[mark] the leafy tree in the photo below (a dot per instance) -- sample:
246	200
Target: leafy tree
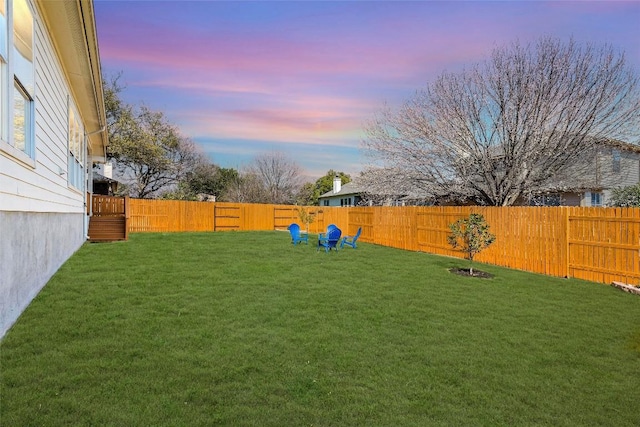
149	154
310	192
306	195
471	235
179	192
508	126
626	197
306	217
204	179
225	178
324	184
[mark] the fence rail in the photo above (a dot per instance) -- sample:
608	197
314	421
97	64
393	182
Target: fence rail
597	244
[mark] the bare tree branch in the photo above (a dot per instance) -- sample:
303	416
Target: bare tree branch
280	176
510	125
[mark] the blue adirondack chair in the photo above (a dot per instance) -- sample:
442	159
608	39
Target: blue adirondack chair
330	240
323	236
351	240
296	235
329	228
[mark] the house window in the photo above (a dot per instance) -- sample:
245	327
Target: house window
545	200
17	79
616	160
76	160
596	199
3	70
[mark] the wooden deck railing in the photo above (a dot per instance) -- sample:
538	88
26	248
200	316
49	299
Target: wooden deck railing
108	220
597	244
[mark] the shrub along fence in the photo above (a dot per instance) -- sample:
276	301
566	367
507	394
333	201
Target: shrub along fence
597	244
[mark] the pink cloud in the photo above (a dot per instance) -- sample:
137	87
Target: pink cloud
283	126
278	55
312	72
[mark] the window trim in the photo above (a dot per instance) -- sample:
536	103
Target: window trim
9	83
616	156
599	196
76	167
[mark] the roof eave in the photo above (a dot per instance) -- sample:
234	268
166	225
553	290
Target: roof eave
73	30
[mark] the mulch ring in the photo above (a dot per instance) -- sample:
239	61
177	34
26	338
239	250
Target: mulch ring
467	272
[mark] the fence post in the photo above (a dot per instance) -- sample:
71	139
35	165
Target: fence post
567	244
126	218
214	216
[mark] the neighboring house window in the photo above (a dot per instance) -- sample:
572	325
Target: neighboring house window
551	200
596	199
546	200
17	77
345	202
616	160
75	163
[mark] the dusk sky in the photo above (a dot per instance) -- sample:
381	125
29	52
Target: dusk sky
245	78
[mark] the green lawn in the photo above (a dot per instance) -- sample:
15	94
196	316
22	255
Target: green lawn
243	329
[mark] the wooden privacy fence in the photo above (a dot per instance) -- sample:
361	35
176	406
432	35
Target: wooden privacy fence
176	216
597	244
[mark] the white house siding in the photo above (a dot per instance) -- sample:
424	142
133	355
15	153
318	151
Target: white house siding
339	201
629	173
595	171
42	219
332	202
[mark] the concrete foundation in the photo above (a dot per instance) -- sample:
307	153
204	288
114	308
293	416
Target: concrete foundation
32	248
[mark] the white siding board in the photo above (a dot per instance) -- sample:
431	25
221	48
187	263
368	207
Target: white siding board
43	189
50	66
15	191
51	132
52	104
629	169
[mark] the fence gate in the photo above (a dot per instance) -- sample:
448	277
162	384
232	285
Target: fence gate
603	247
283	216
432	229
226	217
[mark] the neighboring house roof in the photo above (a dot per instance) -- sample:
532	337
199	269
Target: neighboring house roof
417	195
355	189
625	146
101	178
348	189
